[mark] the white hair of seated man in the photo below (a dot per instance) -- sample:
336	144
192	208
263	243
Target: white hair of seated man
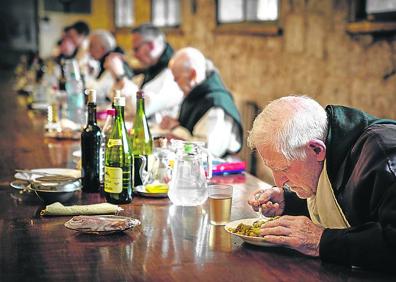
190	58
106	39
288	124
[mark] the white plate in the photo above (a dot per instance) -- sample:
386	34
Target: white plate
61	171
141	190
258	241
101	224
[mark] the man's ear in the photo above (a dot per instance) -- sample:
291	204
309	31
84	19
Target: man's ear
192	75
317	148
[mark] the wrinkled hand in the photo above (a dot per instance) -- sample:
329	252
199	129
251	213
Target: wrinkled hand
168	122
114	64
271	201
296	232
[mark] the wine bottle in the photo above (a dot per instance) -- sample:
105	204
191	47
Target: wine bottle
106	131
118	161
90	148
142	142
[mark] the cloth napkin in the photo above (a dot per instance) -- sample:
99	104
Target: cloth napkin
59	209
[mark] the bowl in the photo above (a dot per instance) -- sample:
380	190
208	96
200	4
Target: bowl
51	192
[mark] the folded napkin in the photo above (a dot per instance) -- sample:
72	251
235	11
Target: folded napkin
59	209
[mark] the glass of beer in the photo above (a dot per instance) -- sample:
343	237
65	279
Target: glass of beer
220	201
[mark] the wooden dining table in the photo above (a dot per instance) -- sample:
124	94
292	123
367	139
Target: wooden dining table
173	243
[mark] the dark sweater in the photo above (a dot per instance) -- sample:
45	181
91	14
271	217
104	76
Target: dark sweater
361	165
206	95
151	72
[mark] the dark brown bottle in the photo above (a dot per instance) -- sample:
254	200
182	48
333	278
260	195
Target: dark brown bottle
90	149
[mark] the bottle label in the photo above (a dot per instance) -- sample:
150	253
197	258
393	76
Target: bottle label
114	142
113	179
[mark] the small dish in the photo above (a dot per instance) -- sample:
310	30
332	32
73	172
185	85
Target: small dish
42	171
141	191
258	241
101	224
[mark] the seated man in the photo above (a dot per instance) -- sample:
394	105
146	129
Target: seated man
208	111
162	95
337	166
78	33
102	44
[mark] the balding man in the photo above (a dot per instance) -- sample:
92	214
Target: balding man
208	111
162	95
101	45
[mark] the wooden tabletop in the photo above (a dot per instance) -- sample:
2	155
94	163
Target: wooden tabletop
172	244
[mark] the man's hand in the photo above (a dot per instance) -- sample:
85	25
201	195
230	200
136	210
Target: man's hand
114	64
168	123
296	232
270	202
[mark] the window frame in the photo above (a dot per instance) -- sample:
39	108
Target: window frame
362	23
167	26
249	27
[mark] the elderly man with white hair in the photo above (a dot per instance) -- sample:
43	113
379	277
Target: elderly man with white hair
335	176
101	45
208	111
162	95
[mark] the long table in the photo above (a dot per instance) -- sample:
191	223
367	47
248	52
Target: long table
172	244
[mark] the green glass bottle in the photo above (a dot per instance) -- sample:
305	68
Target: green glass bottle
118	160
90	149
142	142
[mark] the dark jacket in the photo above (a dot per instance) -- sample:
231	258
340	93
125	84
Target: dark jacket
151	72
361	165
208	94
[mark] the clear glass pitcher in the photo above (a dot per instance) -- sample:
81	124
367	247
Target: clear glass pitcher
188	186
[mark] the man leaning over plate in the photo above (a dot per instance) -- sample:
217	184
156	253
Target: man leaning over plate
335	176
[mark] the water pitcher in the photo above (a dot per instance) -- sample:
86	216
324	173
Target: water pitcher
188	186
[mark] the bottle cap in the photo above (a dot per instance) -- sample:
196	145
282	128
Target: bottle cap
188	148
140	94
91	96
110	112
118	99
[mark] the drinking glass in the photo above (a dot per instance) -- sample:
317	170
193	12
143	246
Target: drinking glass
220	202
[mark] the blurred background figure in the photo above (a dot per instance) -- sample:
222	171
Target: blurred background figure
102	44
78	33
208	112
162	95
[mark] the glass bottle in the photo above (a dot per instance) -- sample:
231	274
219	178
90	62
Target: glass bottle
75	93
142	142
107	128
118	161
90	148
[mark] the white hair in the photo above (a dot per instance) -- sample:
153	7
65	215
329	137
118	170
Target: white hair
288	124
151	33
192	58
106	39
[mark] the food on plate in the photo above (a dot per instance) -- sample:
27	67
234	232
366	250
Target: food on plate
250	230
157	188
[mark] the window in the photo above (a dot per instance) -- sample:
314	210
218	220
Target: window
372	16
239	11
381	10
165	13
123	13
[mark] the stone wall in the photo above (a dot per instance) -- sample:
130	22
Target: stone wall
313	56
